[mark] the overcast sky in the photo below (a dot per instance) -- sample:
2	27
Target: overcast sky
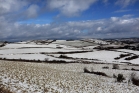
68	19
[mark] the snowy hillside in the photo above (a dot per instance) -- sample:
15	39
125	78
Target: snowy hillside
75	51
65	66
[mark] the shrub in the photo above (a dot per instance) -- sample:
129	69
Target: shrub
126	69
114	76
120	78
57	61
134	79
117	58
3	90
46	59
124	55
106	67
99	73
132	69
38	60
86	70
131	58
63	56
115	66
92	72
59	47
2	45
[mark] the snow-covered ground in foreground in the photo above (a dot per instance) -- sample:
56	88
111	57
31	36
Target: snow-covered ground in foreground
20	77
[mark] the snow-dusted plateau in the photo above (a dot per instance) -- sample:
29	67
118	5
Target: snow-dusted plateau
69	66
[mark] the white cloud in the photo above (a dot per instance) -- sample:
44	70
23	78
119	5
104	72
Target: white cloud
127	16
77	31
99	29
8	6
11	9
70	7
65	7
121	11
18	9
114	19
125	3
105	1
22	9
115	26
125	21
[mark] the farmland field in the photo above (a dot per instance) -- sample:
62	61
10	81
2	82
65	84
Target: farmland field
77	51
23	77
59	67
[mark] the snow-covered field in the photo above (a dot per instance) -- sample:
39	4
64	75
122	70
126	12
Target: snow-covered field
75	43
105	56
51	51
27	77
130	51
22	45
20	77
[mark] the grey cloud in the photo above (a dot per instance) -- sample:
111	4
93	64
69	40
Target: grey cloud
10	6
113	27
70	7
11	29
32	8
29	8
14	10
32	11
125	3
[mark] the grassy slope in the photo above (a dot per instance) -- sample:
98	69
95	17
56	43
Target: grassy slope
60	78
